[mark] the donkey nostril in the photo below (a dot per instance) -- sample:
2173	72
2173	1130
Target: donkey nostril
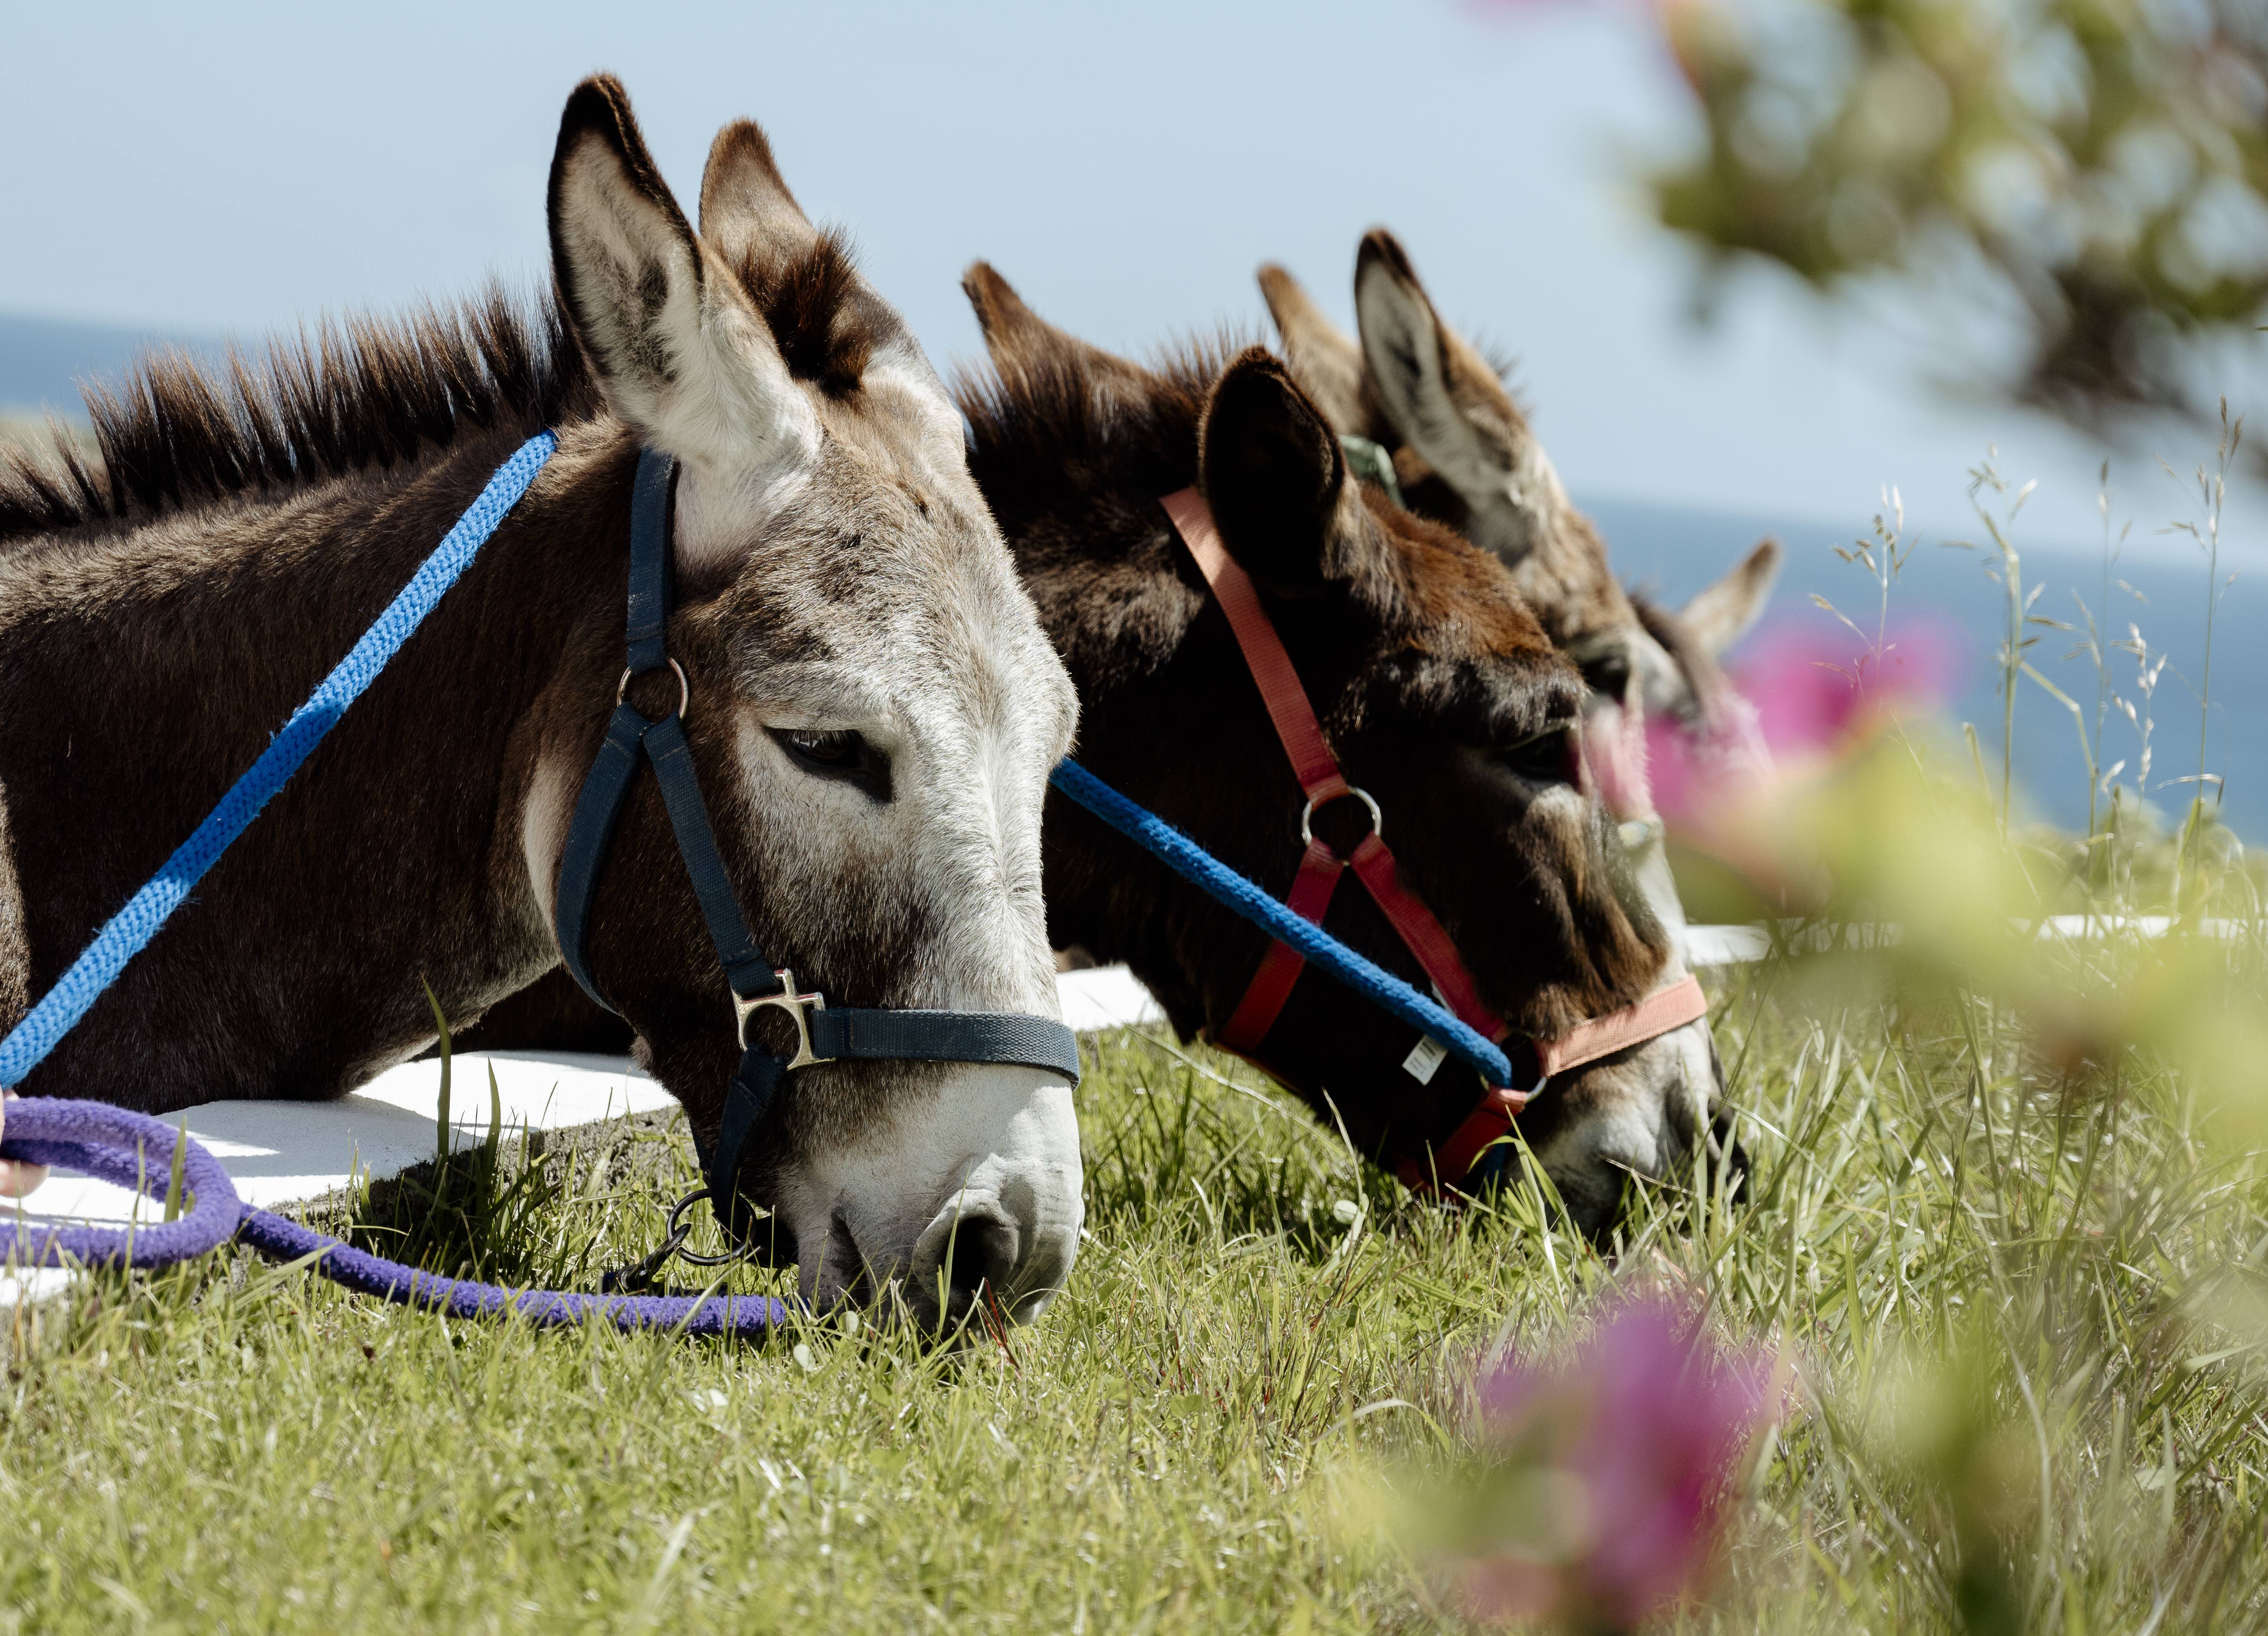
980	1252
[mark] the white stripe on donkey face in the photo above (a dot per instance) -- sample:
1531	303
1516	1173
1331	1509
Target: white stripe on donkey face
863	657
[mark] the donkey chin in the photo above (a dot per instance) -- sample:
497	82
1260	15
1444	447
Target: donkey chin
965	1201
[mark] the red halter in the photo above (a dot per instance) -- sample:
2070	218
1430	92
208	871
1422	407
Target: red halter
1318	878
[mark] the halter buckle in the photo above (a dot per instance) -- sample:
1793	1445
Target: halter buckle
799	1006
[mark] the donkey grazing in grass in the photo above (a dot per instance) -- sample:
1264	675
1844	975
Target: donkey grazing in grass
1464	455
873	709
1435	686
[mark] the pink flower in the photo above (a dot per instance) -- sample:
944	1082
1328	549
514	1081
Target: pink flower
1698	771
1817	686
1609	1472
1806	697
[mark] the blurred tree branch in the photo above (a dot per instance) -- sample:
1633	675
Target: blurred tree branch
2104	162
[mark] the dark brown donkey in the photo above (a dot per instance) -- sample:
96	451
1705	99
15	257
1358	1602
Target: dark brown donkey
1465	455
874	708
1433	682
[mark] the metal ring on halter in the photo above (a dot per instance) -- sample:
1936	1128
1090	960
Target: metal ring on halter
679	1227
640	1275
1377	818
684	688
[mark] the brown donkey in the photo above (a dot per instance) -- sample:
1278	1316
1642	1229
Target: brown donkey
1436	687
1465	455
874	709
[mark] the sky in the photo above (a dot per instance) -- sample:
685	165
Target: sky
234	167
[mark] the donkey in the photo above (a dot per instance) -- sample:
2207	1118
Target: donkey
1463	454
871	702
1438	688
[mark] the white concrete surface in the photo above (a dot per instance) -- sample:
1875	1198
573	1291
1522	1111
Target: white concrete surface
1725	946
285	1152
1104	997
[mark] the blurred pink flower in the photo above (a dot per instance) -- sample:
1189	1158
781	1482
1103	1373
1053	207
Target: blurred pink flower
1806	695
1619	753
1816	685
1609	1472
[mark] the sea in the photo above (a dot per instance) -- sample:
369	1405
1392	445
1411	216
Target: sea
2152	590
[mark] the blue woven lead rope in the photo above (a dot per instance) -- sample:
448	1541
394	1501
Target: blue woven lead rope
133	926
1201	869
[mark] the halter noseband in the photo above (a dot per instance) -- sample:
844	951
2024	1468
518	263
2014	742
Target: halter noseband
823	1035
1422	933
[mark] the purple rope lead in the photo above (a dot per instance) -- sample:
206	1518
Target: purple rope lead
137	1152
134	1151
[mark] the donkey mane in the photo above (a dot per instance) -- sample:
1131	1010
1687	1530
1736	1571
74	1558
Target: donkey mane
369	393
375	391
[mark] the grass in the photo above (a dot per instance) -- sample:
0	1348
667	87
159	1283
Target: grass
2025	1337
2003	1229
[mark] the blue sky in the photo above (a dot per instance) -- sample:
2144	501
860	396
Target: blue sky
236	167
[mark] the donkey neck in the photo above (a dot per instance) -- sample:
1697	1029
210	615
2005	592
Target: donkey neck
148	667
1147	644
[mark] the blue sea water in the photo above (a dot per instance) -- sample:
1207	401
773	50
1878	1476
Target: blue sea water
43	360
2159	584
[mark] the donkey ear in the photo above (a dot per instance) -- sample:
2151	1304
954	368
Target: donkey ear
746	212
1717	617
1273	471
1325	363
680	353
1448	406
1021	341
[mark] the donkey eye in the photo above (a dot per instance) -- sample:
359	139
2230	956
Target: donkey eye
829	749
1545	757
837	752
1609	674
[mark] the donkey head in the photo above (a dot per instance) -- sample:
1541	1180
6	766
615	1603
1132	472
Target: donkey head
1466	456
1436	689
873	710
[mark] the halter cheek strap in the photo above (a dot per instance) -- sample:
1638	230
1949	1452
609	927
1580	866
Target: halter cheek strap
1420	931
823	1033
1320	778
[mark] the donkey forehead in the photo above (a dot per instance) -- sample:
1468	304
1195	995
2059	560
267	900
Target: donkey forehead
1467	649
892	595
1459	600
899	418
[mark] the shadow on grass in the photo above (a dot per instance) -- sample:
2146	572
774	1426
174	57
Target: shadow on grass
1171	1131
472	1213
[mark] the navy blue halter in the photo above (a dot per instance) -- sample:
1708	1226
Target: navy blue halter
823	1034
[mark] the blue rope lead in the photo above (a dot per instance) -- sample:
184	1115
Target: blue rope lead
133	926
1201	869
